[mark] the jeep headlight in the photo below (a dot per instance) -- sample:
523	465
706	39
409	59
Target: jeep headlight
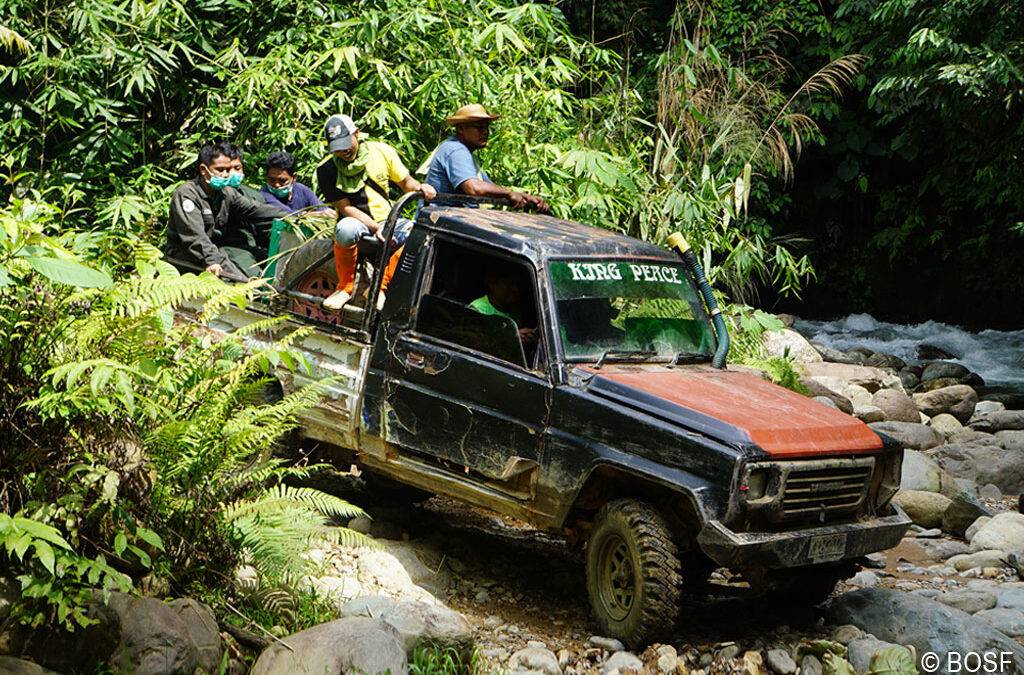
757	483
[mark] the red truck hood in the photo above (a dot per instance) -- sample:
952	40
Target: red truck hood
783	423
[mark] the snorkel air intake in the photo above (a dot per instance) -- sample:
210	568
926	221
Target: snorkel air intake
679	243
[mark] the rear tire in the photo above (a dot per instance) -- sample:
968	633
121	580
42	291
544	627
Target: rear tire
633	573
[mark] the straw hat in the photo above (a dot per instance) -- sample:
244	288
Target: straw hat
474	112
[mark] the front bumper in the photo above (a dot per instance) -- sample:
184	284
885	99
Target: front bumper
797	548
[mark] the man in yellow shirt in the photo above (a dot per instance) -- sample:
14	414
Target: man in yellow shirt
356	180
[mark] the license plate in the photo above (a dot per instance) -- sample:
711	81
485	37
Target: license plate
827	547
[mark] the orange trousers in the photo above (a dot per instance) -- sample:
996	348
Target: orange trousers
345	266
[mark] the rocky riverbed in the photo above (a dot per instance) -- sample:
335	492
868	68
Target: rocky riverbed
448	573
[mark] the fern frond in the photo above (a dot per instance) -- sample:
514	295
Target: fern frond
281	497
238	295
262	326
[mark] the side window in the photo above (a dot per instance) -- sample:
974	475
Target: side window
483	302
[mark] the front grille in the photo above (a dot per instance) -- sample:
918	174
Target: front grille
825	491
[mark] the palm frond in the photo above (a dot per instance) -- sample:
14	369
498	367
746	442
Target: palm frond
12	41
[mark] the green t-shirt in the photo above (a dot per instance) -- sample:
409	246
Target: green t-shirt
484	306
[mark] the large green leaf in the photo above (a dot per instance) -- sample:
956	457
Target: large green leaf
893	660
69	272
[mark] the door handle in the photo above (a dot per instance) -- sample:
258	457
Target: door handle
415	360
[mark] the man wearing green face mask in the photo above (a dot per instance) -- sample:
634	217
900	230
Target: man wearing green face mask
282	189
212	225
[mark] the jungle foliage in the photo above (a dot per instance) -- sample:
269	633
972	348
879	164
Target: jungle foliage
131	435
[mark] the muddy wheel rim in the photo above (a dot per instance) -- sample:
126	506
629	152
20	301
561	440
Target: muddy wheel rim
617	583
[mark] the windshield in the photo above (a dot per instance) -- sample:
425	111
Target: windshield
615	309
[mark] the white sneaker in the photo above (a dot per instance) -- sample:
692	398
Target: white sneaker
336	300
381	298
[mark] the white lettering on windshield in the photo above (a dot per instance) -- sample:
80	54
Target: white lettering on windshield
595	271
662	273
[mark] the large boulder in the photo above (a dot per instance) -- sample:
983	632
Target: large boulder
789	343
202	627
985	407
880	360
978	559
958	400
927	352
1000	420
932	385
962	512
895	405
413	621
983	462
946	424
132	634
1007	621
536	660
967	435
1005	532
154	638
924	508
349	645
830	388
870	378
911	435
928	626
833	355
921	472
1013	441
970	601
858	395
940	369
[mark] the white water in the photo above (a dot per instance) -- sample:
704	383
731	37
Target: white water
998	356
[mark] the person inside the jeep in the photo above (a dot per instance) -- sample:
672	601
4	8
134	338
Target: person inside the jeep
282	189
355	178
452	167
212	224
504	298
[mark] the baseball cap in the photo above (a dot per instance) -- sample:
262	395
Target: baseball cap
338	132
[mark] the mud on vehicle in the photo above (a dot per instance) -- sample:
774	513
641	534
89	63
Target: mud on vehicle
617	425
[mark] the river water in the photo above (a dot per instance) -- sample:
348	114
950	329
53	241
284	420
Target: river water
998	356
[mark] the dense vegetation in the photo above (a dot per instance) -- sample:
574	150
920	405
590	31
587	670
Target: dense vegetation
126	432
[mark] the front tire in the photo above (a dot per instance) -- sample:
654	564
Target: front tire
633	573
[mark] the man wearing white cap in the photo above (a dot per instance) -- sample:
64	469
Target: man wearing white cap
453	169
355	179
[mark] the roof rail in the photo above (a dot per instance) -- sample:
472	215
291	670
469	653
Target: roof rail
452	198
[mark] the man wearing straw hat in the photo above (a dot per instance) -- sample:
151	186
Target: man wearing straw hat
453	168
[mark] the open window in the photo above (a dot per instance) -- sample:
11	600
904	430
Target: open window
483	302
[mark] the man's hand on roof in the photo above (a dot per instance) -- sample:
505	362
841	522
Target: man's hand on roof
215	269
428	191
519	200
537	204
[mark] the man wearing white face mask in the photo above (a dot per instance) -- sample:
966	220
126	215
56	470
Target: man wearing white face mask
212	225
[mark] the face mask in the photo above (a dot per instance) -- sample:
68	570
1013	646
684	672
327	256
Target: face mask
280	192
219	182
235	179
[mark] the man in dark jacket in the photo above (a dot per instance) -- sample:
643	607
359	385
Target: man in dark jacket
212	225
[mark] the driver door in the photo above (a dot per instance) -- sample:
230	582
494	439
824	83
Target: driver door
458	391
